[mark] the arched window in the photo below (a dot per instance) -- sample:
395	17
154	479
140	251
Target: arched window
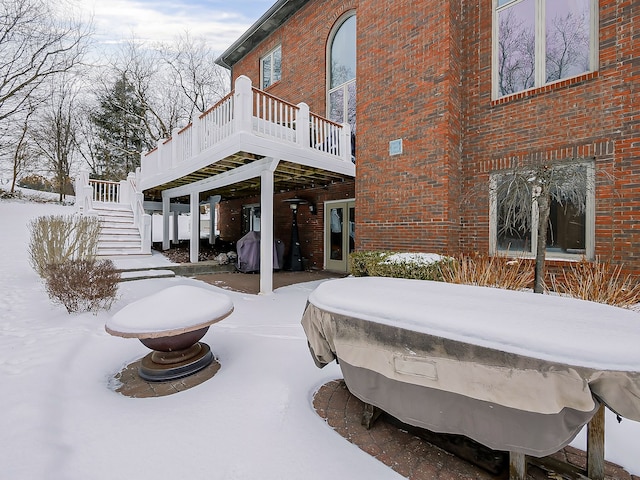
341	98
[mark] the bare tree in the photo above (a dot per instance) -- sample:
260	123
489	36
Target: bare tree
566	40
567	46
56	136
22	152
201	80
35	44
565	182
516	55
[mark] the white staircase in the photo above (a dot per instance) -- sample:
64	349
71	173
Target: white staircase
125	228
118	233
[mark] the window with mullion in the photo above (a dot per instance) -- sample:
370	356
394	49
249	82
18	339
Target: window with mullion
571	224
271	67
342	74
542	41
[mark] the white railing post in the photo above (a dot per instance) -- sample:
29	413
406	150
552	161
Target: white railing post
303	125
125	191
175	147
87	205
145	232
163	161
345	142
195	135
243	104
82	180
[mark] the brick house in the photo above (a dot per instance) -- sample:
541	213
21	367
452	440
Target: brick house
449	95
433	102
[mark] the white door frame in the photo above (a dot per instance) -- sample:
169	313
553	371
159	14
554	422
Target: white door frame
337	265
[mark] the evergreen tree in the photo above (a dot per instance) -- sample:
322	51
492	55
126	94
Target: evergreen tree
120	124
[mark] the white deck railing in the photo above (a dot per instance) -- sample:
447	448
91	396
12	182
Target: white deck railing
105	191
125	192
250	110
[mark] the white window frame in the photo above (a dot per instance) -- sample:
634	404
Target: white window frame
589	233
344	86
540	46
271	56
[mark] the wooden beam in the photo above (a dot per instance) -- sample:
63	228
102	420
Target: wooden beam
595	446
517	466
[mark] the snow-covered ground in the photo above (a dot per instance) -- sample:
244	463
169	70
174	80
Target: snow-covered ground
61	418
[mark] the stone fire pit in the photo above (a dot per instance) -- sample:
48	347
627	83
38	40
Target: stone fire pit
171	322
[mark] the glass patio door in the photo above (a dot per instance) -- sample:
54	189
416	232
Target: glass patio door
339	227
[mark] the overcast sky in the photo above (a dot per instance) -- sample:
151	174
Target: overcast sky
220	21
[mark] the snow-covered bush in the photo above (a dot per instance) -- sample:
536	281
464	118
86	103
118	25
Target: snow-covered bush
82	285
420	266
361	262
57	239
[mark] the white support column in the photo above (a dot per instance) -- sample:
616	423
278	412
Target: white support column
165	222
176	227
194	243
266	228
213	201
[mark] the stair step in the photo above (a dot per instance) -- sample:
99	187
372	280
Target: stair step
117	252
102	206
144	274
116	222
119	230
115	218
118	238
117	244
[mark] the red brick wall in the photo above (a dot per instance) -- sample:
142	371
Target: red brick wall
595	115
424	75
410	68
408	71
304	40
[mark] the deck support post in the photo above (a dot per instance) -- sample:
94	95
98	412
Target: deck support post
194	243
165	222
175	238
213	201
517	466
595	446
266	227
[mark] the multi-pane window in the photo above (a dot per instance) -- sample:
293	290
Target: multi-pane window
342	74
271	67
542	41
570	231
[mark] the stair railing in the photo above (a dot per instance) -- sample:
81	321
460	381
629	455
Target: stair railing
141	219
124	192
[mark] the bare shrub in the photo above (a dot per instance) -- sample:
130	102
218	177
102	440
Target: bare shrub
83	285
57	239
488	271
597	281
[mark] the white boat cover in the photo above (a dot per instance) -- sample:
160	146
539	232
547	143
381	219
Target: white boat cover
515	371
